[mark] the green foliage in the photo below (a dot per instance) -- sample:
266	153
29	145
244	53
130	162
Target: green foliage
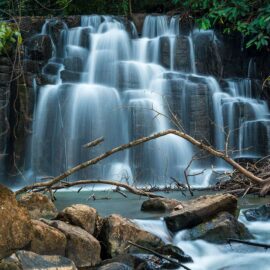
9	36
80	7
249	17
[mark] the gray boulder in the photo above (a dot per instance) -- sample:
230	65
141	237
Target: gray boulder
261	213
219	229
31	261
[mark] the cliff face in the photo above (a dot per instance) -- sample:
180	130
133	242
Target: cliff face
222	58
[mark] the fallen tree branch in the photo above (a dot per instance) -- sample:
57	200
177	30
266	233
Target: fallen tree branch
159	255
105	182
255	179
266	246
94	143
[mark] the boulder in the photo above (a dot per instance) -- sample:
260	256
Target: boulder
47	240
15	224
159	204
115	233
130	260
82	247
115	266
31	261
219	229
80	215
261	213
200	210
10	263
38	205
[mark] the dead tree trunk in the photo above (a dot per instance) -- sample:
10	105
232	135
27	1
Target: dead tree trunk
265	184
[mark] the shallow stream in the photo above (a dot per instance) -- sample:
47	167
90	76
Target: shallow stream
206	256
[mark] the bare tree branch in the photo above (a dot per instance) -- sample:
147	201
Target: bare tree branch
255	179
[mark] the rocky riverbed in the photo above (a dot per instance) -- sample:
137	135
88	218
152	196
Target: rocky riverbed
82	233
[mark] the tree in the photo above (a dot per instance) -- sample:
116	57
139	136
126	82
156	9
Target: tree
249	17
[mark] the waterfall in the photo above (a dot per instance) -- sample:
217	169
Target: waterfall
105	81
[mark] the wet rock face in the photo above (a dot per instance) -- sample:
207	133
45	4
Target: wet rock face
200	210
138	20
261	213
73	64
40	48
47	240
82	248
15	226
117	231
181	53
5	76
219	229
80	215
208	53
38	205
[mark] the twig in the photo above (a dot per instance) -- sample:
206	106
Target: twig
94	143
106	182
231	240
120	192
255	179
159	255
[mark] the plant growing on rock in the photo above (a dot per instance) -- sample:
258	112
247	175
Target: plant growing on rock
10	36
250	18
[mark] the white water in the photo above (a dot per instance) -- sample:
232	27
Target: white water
208	256
122	92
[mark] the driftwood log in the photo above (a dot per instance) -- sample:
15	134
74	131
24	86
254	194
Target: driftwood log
264	184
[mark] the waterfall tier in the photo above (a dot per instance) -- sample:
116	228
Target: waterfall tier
106	81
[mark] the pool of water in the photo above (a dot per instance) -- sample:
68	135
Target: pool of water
206	256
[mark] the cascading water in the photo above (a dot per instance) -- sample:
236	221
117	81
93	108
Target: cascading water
216	257
108	82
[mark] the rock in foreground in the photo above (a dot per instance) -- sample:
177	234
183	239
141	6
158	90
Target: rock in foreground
47	240
80	215
31	261
15	224
38	205
261	213
82	248
117	231
200	210
219	229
